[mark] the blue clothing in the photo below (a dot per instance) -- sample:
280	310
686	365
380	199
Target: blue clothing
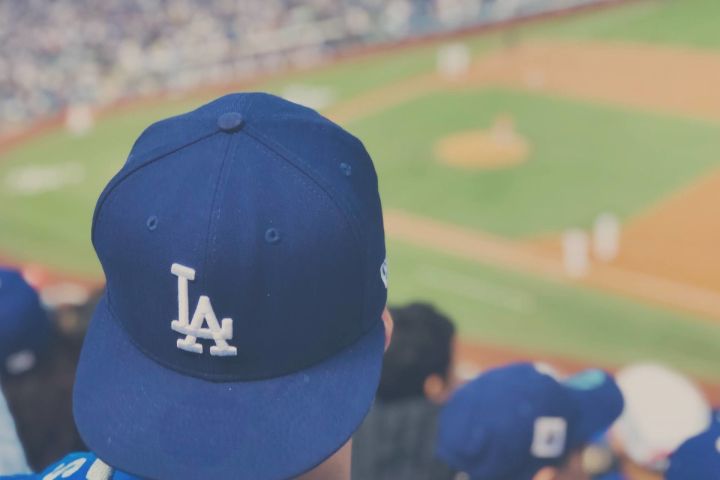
76	466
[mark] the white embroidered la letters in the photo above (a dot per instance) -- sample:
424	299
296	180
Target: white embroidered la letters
203	313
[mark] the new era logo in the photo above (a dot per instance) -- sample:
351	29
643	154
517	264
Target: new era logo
384	273
204	313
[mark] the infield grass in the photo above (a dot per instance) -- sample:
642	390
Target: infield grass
585	159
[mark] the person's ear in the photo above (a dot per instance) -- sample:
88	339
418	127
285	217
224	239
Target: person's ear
389	325
546	473
435	388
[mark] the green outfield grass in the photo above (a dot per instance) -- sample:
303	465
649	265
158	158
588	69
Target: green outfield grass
506	308
586	158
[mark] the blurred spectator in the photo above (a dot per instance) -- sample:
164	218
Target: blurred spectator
40	400
38	357
396	441
518	423
24	334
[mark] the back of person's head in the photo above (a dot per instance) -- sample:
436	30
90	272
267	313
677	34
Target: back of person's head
397	440
420	360
520	423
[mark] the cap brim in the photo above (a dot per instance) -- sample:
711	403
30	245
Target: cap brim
599	403
151	421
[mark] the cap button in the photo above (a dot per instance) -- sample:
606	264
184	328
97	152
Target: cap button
230	122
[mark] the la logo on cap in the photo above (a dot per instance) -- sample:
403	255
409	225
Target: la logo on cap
204	313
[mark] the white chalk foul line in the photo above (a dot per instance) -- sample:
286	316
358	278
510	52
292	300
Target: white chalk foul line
508	298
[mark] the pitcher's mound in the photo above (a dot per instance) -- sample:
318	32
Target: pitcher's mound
498	147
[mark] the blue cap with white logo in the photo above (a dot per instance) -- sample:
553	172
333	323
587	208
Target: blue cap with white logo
240	335
510	422
24	325
698	458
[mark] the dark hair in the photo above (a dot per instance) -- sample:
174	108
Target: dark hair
40	399
421	346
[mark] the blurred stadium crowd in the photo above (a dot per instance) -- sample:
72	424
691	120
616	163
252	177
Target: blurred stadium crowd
66	52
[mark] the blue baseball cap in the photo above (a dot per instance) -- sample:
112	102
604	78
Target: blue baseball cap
512	421
697	458
25	328
240	335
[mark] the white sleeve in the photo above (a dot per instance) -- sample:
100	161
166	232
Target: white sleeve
12	456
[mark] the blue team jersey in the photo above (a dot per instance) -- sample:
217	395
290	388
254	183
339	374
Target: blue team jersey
76	466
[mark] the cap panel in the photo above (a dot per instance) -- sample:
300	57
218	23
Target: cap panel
137	160
340	165
169	135
150	221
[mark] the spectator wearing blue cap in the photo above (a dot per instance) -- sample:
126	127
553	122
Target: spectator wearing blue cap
24	334
244	322
24	326
37	368
698	458
518	423
397	439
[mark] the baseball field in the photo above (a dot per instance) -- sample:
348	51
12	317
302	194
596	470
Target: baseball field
551	124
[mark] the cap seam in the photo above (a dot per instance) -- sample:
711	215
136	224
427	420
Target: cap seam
212	218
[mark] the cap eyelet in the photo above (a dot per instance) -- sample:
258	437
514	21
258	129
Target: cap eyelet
346	169
152	223
272	235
